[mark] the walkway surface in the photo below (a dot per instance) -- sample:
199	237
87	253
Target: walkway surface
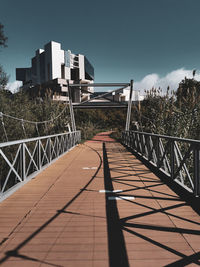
62	218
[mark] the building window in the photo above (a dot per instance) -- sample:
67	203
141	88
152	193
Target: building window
63	71
75	74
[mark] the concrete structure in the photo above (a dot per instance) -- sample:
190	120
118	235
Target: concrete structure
52	67
120	95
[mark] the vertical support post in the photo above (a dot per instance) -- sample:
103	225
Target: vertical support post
148	148
67	140
73	144
128	116
71	108
196	171
172	158
39	155
57	146
157	152
131	140
23	162
49	148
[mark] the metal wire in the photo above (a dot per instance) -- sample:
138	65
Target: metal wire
34	122
3	126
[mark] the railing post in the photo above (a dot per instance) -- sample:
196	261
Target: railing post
172	159
196	152
49	148
65	143
131	140
157	151
148	148
74	143
57	146
74	137
68	135
125	138
70	140
23	162
128	138
39	155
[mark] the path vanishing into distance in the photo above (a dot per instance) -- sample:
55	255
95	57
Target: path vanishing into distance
98	206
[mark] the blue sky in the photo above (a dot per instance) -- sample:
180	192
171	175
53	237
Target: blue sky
149	41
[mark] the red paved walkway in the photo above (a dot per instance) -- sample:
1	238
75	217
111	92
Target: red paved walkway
61	219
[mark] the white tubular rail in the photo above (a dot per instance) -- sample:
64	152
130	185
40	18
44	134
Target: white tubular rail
177	158
22	160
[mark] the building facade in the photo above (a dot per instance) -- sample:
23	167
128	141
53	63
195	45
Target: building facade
51	67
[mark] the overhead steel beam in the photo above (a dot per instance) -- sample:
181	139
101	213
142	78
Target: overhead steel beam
99	85
99	106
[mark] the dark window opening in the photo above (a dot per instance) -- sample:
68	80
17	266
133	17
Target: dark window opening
63	71
75	74
89	70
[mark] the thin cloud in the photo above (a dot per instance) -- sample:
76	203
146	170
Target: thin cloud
14	86
172	80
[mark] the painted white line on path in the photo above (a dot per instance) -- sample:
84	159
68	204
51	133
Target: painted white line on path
89	168
120	198
110	191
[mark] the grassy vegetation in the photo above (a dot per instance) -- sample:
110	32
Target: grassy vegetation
175	113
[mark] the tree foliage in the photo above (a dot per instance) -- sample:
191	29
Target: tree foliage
3	43
3	38
3	79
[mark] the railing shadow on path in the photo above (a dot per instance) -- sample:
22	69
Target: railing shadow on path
116	226
128	225
186	196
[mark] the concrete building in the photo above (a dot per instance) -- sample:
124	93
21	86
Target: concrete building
52	67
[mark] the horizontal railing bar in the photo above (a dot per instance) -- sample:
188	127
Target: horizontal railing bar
169	137
34	161
16	142
171	161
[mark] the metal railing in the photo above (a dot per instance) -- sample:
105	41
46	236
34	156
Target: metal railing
177	158
21	160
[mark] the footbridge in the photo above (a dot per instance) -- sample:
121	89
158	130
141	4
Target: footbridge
101	202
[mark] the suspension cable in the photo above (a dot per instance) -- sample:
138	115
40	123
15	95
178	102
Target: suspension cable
3	125
34	122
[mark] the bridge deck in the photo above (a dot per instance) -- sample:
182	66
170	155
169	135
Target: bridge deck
61	219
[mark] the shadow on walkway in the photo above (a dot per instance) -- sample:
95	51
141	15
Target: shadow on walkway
147	231
116	243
